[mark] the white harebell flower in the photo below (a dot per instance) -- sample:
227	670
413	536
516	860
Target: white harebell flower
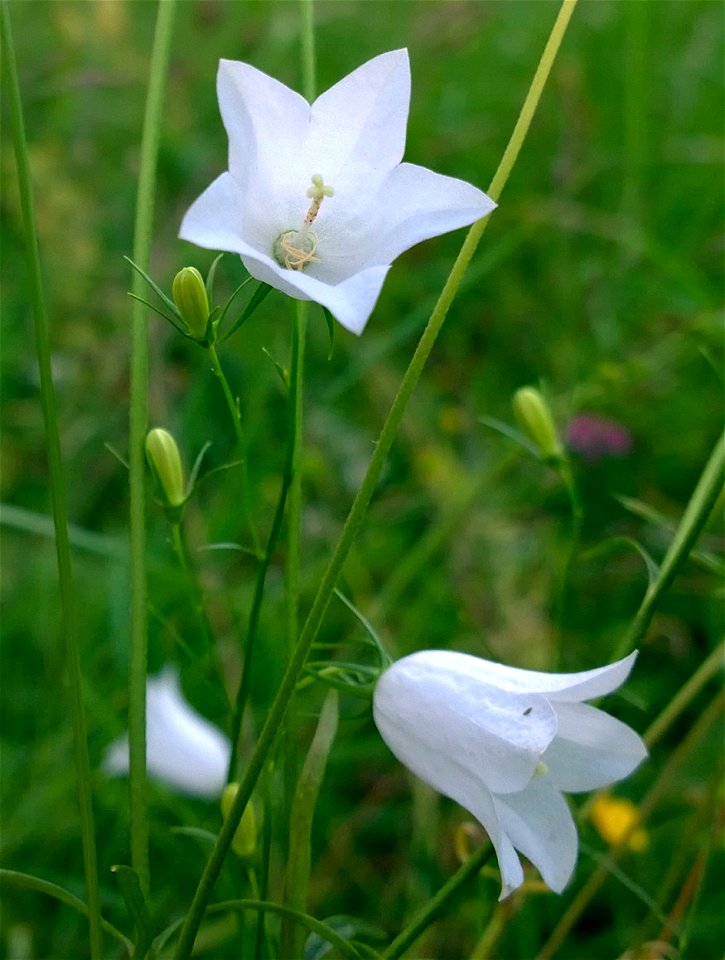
183	749
316	200
505	743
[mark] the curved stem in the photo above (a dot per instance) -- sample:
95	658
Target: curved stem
423	919
275	716
69	633
235	414
693	520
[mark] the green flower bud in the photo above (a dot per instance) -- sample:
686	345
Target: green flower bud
163	458
534	417
191	301
245	836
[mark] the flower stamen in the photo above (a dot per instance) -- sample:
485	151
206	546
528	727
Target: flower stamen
295	249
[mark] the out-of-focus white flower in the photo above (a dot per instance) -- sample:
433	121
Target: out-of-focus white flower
182	748
505	743
316	200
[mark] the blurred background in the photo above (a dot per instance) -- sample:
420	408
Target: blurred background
599	279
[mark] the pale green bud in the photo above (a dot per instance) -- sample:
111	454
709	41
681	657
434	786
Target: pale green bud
534	417
191	301
245	836
163	458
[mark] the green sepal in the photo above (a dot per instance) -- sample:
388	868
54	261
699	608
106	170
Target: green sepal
211	276
330	320
282	371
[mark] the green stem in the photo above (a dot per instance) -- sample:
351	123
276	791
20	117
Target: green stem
427	914
301	814
137	432
572	548
664	779
68	631
294	523
235	414
685	695
693	520
288	473
196	602
307	38
275	716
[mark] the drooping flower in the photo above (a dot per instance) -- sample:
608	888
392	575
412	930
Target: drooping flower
505	744
316	200
183	749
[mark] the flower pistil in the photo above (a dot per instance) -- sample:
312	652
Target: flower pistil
295	249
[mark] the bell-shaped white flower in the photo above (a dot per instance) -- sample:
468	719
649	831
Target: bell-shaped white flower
183	749
505	743
316	200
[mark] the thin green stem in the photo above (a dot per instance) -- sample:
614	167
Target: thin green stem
427	914
693	520
648	804
294	524
275	716
68	631
572	548
137	432
307	38
708	669
236	415
196	602
293	440
301	814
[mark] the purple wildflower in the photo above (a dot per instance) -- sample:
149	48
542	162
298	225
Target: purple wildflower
594	437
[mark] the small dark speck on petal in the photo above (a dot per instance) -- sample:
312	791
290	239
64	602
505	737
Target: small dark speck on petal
527	711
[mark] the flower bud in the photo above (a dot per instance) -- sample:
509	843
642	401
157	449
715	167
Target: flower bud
534	417
245	836
163	458
191	301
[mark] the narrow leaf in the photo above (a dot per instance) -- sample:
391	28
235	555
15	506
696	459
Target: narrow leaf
26	881
130	886
257	297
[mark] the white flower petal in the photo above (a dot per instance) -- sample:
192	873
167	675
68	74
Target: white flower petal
350	302
432	719
265	122
415	203
182	748
214	220
591	749
556	686
539	824
357	128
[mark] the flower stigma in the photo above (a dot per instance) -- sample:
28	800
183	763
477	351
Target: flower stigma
295	249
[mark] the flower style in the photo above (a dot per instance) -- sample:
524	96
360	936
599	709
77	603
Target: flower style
505	743
316	200
183	749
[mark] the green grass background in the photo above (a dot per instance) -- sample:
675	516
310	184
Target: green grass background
600	276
